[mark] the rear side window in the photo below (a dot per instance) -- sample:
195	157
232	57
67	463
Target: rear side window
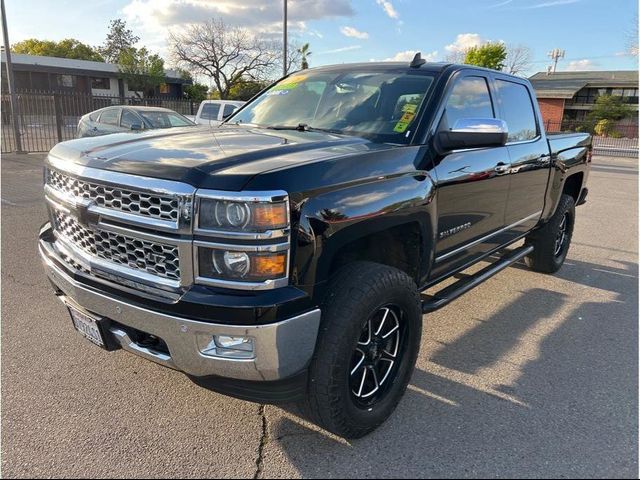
210	111
517	111
109	116
469	99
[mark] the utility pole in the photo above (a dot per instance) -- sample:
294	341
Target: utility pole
15	114
284	41
555	55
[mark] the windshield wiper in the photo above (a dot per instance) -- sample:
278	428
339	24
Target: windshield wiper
303	127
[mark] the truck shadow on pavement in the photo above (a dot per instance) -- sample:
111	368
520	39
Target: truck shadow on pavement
542	388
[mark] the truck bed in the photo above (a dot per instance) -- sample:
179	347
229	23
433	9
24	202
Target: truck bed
561	142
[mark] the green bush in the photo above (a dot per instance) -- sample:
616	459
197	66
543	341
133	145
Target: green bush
604	127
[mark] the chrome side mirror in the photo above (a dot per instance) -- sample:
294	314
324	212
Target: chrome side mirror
473	133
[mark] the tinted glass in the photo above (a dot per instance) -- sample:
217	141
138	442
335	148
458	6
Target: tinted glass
362	103
128	119
160	119
109	116
518	111
228	110
210	111
469	99
178	121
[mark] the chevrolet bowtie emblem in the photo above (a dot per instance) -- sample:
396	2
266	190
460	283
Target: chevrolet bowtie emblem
84	216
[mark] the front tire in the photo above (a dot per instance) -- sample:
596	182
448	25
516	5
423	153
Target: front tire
551	242
366	351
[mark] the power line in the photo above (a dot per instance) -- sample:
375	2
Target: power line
584	58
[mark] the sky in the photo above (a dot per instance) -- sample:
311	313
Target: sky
593	33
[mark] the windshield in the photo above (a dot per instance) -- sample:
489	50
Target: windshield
381	106
160	119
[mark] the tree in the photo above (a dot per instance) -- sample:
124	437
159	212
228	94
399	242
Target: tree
304	53
196	92
294	59
67	48
142	71
518	60
228	55
119	39
611	108
246	89
490	55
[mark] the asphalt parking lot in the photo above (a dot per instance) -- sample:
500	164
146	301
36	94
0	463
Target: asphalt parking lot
526	376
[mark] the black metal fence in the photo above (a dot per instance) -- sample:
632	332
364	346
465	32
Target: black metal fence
611	139
46	118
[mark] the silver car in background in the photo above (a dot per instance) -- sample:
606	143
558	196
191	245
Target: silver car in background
125	118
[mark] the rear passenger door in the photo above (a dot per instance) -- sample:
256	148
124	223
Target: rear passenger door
472	184
529	154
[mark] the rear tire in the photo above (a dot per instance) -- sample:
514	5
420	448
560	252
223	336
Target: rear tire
551	242
366	350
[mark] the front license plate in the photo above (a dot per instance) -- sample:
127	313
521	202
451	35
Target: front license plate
87	326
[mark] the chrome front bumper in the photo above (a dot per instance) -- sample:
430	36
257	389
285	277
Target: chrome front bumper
280	350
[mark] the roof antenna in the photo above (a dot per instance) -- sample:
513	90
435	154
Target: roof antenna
417	61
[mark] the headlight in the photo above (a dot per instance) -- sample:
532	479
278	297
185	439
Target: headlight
242	216
242	240
235	263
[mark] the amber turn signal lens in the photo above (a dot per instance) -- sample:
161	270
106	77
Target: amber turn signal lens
269	266
270	216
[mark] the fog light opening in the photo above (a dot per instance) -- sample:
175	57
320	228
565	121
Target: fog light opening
229	346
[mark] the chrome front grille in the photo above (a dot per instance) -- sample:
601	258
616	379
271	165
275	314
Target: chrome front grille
152	257
116	198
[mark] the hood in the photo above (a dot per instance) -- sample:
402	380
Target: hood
224	158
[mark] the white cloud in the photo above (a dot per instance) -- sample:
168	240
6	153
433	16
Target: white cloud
354	32
465	41
552	3
408	55
153	19
581	65
388	8
341	49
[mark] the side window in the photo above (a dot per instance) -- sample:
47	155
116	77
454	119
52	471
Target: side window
228	110
210	111
517	111
109	116
129	118
469	99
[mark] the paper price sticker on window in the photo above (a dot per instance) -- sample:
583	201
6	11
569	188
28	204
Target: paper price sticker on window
410	108
407	117
404	122
401	127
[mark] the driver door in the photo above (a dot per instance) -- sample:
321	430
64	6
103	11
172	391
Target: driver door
472	184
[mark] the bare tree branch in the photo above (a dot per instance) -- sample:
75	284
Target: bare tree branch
518	59
228	55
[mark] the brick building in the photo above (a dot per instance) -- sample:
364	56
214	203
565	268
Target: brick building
566	98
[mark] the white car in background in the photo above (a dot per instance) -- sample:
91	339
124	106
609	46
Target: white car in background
213	112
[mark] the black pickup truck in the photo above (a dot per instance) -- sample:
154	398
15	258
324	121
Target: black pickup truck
283	256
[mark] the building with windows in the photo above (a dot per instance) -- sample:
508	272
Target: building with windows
566	98
65	75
